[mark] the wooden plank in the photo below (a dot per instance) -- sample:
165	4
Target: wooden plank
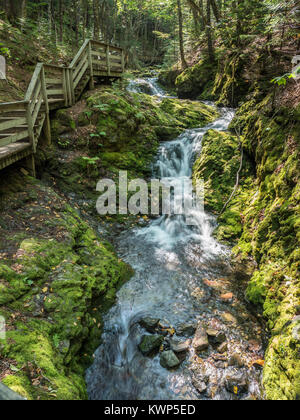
55	92
104	74
97	54
14	138
123	61
12	123
80	52
81	63
37	110
91	84
33	82
77	80
53	81
36	96
12	106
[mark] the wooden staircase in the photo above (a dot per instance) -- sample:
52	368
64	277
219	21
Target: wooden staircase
52	87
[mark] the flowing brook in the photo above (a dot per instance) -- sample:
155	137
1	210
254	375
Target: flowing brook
183	278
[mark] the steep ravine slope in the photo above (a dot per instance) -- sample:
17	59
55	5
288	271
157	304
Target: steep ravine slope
263	218
58	275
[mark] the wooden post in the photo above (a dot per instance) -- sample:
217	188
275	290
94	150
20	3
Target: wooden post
65	88
72	90
30	127
91	83
47	127
123	61
108	60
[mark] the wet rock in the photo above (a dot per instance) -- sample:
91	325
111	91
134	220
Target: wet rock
227	297
149	324
186	329
223	348
200	341
236	360
199	384
229	318
236	382
169	360
216	337
150	344
180	346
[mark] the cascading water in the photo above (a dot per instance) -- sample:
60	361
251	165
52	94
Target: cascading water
176	267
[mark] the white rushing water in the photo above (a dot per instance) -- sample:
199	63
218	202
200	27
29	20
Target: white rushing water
170	260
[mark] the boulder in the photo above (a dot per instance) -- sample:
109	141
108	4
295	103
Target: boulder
149	324
180	346
169	360
150	344
236	382
186	329
216	337
223	348
236	360
200	341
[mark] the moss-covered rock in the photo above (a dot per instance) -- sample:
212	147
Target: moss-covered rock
271	235
56	280
196	80
218	165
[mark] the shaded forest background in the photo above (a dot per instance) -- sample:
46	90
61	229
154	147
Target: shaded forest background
152	31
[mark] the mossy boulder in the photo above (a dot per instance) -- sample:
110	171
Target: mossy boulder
217	165
271	236
56	281
168	78
196	80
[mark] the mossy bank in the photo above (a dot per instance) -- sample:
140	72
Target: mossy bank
262	221
57	275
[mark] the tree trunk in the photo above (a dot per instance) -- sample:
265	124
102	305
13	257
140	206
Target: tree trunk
15	10
96	7
210	44
183	60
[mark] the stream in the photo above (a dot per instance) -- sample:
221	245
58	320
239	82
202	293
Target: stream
182	276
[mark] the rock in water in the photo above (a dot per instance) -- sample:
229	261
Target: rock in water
236	382
169	360
150	344
186	329
216	337
180	346
200	342
149	324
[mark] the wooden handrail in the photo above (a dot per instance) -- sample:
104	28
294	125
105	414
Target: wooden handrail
78	55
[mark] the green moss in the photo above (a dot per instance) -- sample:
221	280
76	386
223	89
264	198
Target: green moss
217	165
196	80
271	236
53	295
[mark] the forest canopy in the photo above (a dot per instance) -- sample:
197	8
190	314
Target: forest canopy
156	32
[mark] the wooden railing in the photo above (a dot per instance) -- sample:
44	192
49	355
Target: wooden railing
53	87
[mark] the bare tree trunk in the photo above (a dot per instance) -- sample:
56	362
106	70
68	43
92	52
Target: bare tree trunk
210	44
15	10
61	21
96	7
183	60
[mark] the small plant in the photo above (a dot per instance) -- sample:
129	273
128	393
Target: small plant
89	163
4	50
102	107
282	80
64	144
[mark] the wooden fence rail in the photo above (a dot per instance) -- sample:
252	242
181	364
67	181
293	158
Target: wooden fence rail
52	87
